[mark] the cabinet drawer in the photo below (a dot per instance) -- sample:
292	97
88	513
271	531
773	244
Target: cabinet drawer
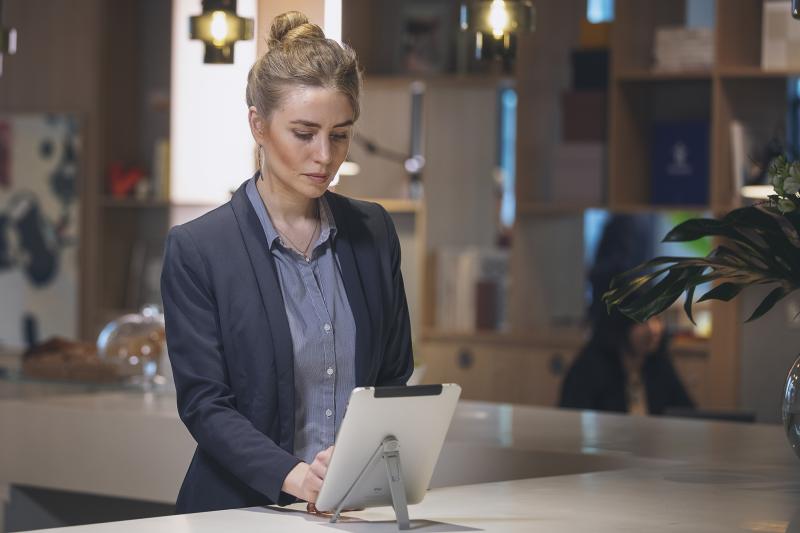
498	373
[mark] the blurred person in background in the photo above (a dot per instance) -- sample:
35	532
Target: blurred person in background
625	366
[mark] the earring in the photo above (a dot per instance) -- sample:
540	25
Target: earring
260	160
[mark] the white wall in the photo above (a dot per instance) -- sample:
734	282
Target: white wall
212	148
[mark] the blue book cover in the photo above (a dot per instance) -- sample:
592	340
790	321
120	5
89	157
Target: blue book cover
680	163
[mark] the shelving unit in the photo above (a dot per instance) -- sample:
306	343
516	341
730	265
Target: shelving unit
734	88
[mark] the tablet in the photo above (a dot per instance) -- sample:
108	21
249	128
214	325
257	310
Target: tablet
417	416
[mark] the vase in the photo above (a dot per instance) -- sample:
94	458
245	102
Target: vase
790	409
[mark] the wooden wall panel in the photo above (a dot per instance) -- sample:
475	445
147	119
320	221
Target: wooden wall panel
543	71
58	68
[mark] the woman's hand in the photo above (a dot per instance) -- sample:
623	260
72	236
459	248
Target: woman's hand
305	480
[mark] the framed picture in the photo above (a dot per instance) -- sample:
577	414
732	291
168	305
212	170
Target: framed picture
39	226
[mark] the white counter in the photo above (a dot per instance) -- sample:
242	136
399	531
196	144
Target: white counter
608	472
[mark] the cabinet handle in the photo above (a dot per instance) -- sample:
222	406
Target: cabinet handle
465	359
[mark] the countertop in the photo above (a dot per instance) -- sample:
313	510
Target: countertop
503	468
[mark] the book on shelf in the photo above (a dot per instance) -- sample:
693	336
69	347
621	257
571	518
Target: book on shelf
160	170
680	163
471	288
753	146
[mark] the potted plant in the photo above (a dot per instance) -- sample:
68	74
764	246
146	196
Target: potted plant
760	246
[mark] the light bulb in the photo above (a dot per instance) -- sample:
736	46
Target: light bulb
498	18
219	28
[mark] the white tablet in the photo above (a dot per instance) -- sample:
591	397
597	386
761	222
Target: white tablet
418	417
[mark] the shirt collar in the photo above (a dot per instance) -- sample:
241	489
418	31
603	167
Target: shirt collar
326	220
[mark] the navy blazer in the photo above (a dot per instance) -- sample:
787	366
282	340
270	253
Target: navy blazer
231	349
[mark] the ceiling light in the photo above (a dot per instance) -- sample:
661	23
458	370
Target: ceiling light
496	24
219	27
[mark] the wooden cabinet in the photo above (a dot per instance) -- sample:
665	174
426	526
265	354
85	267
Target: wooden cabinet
530	371
498	370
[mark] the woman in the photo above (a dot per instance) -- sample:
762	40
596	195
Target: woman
625	366
284	299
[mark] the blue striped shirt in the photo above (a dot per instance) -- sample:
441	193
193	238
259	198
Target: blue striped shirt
322	328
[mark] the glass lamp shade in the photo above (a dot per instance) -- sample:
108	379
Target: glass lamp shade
498	18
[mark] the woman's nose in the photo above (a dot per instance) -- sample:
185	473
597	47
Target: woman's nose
323	152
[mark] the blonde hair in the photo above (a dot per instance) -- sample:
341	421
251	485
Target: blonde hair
300	55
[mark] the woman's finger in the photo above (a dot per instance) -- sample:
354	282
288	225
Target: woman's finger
324	456
319	469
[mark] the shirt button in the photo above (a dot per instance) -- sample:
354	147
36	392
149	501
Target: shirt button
328	412
330	371
326	327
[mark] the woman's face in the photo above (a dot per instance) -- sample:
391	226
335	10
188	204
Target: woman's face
644	339
305	140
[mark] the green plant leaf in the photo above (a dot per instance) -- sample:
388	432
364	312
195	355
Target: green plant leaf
724	292
657	298
776	295
687	305
694	229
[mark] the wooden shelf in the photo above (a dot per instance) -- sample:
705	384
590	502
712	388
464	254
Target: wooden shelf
439	80
553	208
133	203
745	72
645	75
650	208
565	337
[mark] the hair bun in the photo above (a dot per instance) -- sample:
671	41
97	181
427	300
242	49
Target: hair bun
290	26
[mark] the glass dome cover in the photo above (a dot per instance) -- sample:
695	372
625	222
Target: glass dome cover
136	343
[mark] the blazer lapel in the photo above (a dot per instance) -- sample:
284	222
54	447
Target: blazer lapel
354	249
272	299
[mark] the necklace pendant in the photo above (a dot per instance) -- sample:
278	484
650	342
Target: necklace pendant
308	259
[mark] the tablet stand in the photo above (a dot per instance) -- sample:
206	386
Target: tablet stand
389	451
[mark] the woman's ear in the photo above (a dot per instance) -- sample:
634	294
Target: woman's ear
258	126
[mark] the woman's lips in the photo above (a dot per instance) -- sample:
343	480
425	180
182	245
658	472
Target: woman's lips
319	178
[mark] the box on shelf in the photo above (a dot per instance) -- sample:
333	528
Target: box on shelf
590	69
680	163
780	37
579	173
595	35
682	48
584	116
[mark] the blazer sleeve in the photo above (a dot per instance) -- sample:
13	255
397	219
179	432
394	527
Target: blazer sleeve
398	360
206	402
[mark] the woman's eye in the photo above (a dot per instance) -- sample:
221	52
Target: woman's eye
303	135
339	136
